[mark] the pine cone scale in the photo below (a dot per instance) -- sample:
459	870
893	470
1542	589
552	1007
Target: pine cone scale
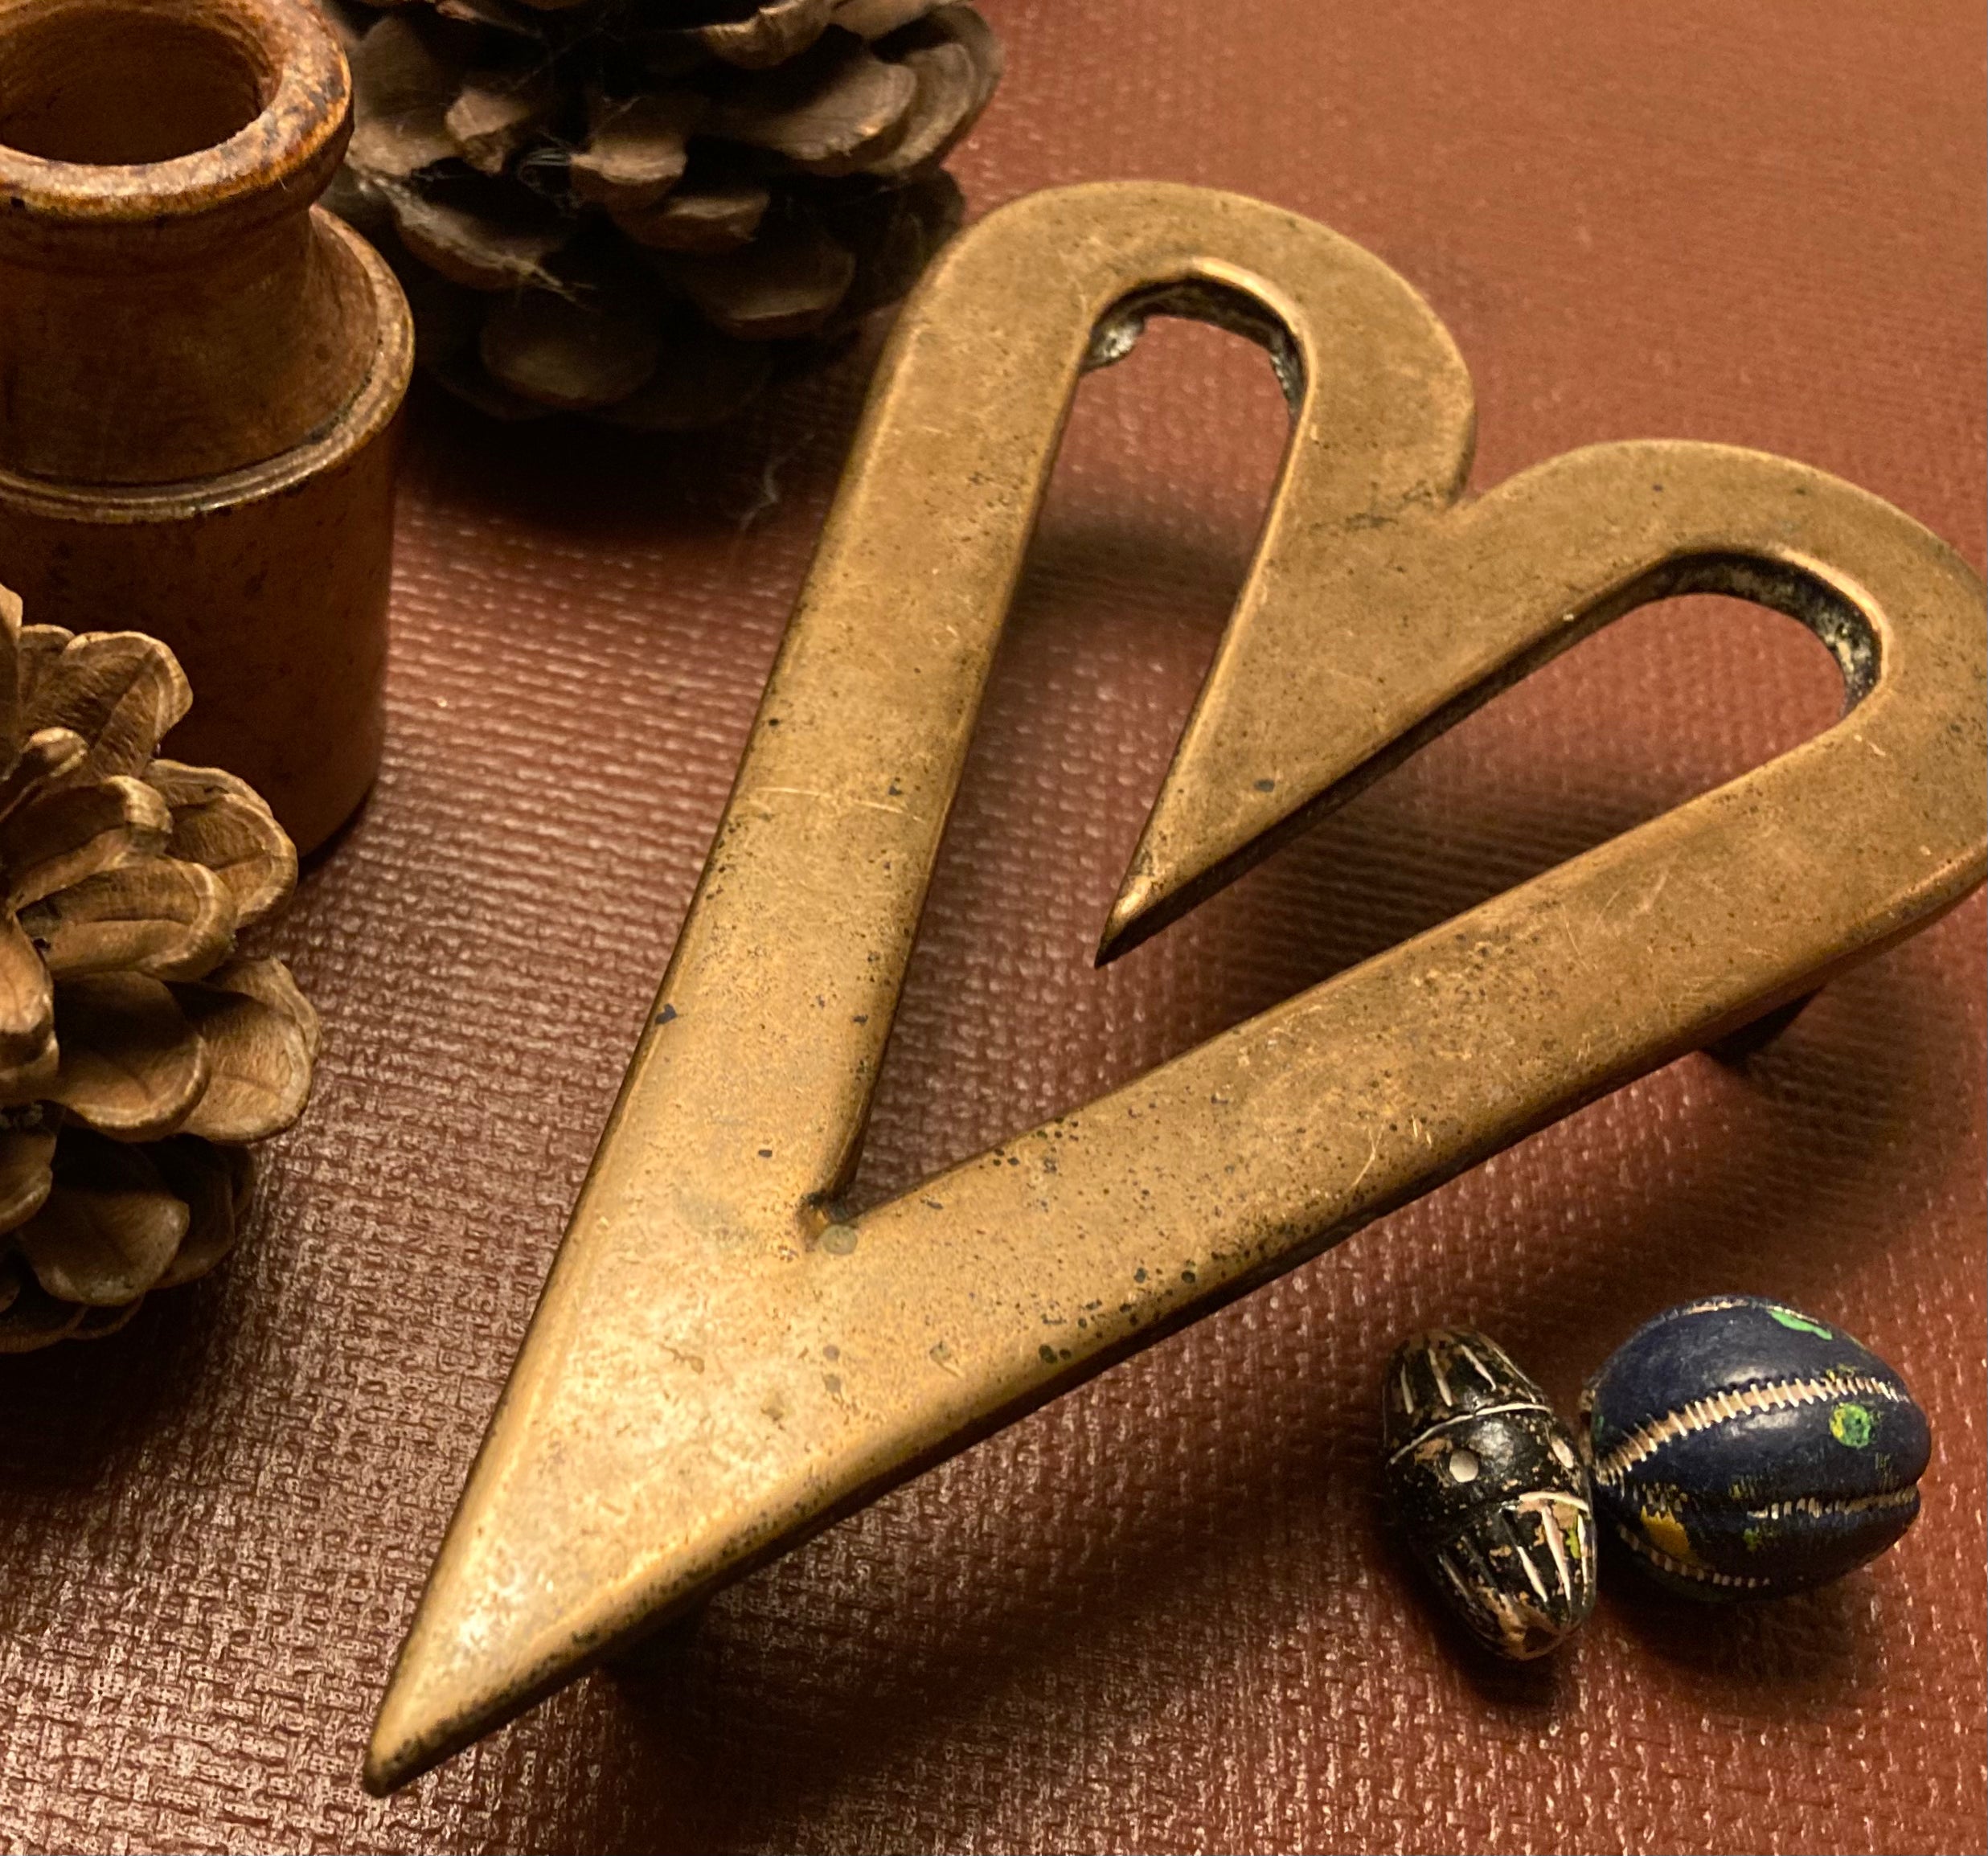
716	219
878	19
48	756
769	36
203	1179
136	1052
473	249
25	1175
74	832
27	997
636	149
836	107
495	114
159	916
130	1066
116	689
221	824
509	156
30	1318
108	1230
403	90
260	1064
564	353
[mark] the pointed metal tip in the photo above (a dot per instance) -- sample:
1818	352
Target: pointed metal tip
1146	903
395	1757
1124	927
407	1745
413	1733
1201	835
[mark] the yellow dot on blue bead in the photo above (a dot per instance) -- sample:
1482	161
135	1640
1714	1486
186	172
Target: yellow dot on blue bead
1851	1424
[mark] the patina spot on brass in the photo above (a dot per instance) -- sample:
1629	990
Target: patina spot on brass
717	1368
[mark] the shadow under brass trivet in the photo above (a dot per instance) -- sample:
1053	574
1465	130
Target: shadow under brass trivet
720	1365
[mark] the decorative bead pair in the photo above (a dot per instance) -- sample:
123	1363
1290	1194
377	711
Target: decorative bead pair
1735	1447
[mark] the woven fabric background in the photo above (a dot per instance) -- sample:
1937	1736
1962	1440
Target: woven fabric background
1161	1614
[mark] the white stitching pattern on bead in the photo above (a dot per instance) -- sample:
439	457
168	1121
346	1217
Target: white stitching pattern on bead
1423	1436
1820	1506
1704	1414
1682	1569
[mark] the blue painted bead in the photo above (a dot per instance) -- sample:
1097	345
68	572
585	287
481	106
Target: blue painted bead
1741	1448
1487	1487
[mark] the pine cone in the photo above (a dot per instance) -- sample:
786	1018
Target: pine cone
636	208
137	1056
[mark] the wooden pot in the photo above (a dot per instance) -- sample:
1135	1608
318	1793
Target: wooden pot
201	374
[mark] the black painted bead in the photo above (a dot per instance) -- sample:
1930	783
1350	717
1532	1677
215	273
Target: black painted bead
1489	1491
1741	1448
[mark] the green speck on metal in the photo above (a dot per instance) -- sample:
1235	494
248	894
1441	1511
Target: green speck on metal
1851	1424
1800	1323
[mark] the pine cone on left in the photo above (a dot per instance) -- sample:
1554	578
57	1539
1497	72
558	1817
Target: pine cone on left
138	1056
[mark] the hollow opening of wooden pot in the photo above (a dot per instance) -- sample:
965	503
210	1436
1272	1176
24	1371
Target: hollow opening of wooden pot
102	83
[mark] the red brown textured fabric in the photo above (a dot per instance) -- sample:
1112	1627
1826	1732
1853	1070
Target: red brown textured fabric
1161	1614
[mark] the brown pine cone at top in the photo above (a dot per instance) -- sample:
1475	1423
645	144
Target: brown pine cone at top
139	1055
638	209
